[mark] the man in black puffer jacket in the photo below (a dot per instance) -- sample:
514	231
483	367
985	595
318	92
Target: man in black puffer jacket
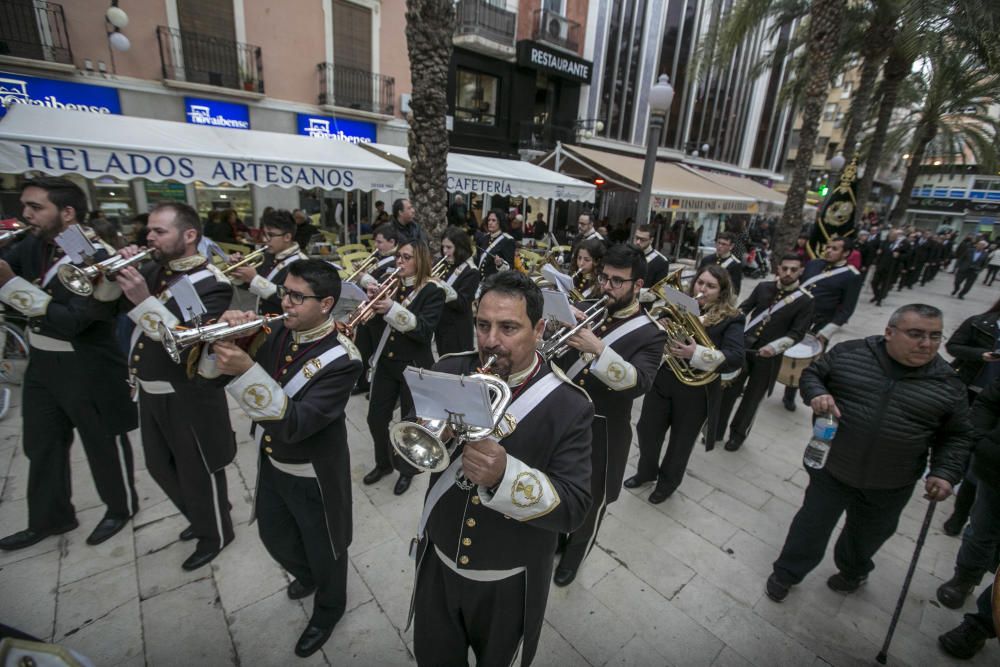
896	400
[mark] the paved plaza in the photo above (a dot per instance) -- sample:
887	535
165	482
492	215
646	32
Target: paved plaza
681	583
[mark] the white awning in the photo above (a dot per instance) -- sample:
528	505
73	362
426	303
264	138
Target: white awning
497	176
59	141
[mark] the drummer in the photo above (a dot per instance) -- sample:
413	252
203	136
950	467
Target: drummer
835	286
778	313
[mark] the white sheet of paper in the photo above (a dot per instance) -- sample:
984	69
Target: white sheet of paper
351	296
558	278
187	299
683	300
75	244
443	395
557	307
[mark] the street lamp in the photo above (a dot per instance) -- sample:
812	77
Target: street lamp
661	96
837	162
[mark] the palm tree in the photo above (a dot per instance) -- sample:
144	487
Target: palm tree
430	25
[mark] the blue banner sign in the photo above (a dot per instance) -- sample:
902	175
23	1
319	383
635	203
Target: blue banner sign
21	89
214	113
327	127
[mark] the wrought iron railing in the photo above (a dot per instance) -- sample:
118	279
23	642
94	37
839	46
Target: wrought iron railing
34	29
354	88
543	136
197	58
556	29
482	18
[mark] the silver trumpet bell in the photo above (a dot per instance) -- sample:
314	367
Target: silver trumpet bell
558	344
175	341
80	280
421	443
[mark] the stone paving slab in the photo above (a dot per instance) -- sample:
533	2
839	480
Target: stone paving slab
681	583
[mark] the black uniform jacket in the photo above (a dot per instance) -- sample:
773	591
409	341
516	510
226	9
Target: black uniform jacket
975	336
504	249
889	259
835	297
87	323
732	265
545	491
791	321
657	268
270	274
310	426
454	331
412	327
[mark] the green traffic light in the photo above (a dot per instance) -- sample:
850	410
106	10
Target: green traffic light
823	189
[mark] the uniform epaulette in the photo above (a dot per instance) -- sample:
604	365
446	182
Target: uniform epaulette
562	376
217	272
806	292
352	349
854	269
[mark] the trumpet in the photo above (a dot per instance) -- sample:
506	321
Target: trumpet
364	267
680	326
11	234
558	345
441	268
80	280
175	341
252	260
422	445
365	311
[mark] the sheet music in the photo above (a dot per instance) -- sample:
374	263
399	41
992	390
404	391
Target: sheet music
443	396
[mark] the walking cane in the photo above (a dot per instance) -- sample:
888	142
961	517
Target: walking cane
883	654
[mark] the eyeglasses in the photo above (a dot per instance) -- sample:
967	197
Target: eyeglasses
616	282
296	298
921	335
405	258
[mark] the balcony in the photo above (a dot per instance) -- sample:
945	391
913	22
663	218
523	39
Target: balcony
543	136
34	30
556	30
485	28
212	61
353	88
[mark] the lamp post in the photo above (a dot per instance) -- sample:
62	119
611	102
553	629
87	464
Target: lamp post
660	98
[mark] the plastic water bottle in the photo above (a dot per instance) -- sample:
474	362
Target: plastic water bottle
818	449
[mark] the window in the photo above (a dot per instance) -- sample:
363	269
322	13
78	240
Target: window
476	98
839	80
838	121
554	6
845	92
830	111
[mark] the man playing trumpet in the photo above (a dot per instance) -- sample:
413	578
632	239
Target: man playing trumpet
295	389
280	252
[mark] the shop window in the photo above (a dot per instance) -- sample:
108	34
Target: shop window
113	198
225	196
476	98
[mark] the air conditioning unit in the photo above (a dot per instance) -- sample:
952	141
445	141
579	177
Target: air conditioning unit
404	103
554	27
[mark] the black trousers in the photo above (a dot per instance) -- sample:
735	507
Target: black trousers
176	461
930	270
991	274
363	339
55	401
964	280
452	613
752	384
984	613
981	541
882	282
674	406
579	543
872	517
292	525
388	388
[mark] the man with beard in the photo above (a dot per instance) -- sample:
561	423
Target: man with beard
615	363
778	315
75	377
491	520
184	421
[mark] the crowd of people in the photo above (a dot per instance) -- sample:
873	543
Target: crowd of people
522	506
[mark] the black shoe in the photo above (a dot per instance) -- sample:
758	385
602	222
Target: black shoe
297	590
187	534
841	583
202	557
564	576
107	528
634	482
359	389
312	640
789	404
964	641
26	538
733	444
953	592
659	494
776	590
402	484
376	475
954	525
962	297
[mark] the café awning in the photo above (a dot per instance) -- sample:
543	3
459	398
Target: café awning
497	176
768	198
59	141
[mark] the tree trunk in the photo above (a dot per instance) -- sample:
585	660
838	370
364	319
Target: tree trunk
430	25
878	41
921	139
897	68
824	34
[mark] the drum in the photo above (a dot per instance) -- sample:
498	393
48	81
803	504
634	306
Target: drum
796	358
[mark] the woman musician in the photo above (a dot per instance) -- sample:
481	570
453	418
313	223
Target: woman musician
587	260
403	334
460	282
496	247
680	407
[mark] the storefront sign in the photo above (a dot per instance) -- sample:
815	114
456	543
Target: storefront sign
704	205
942	205
165	192
21	89
216	114
984	207
481	185
327	127
537	56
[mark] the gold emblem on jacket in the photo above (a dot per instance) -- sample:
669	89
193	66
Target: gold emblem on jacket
312	367
22	299
527	490
616	371
257	396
